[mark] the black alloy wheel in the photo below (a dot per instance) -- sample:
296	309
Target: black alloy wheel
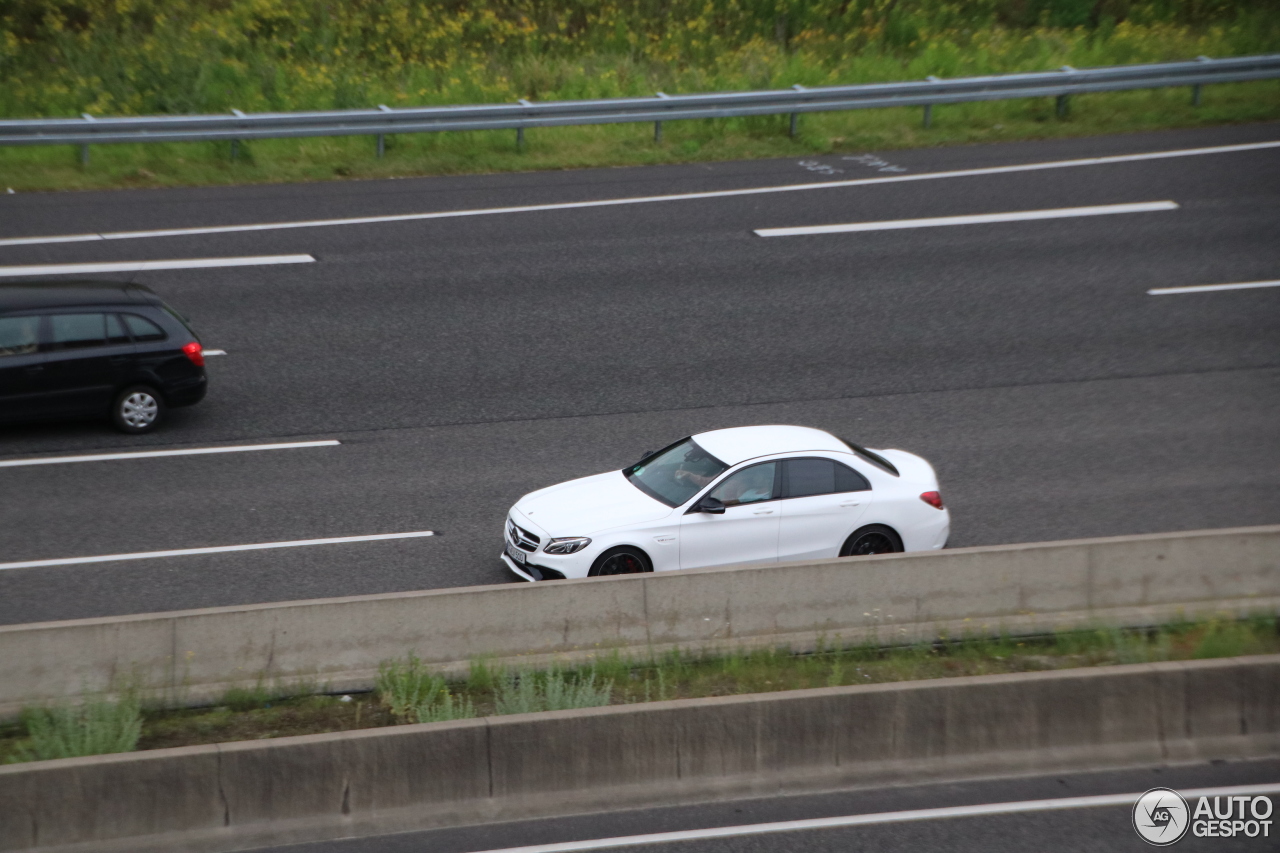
873	539
620	561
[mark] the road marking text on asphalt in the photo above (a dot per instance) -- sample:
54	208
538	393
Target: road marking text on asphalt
1210	288
145	266
220	549
153	454
973	219
574	205
1102	801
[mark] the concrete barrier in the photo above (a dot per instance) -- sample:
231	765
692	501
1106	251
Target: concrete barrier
240	795
195	655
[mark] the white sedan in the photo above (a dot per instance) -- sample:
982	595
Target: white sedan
759	494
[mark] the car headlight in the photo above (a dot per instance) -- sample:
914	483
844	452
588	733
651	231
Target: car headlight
567	545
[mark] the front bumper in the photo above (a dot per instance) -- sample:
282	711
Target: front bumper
531	572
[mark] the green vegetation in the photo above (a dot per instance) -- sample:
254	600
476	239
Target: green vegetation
110	57
96	727
406	692
412	694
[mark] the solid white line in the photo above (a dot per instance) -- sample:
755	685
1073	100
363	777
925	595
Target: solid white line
213	352
221	549
871	819
575	205
143	266
973	219
153	454
1209	288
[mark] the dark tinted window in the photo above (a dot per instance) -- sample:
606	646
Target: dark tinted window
142	328
807	477
75	331
849	480
748	486
810	477
115	330
19	335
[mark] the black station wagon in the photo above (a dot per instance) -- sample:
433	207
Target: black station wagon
95	349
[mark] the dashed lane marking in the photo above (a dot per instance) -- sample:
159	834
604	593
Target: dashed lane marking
154	454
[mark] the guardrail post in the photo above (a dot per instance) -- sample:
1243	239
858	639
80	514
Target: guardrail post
84	148
1196	87
382	140
928	108
792	131
1063	106
657	125
520	130
235	143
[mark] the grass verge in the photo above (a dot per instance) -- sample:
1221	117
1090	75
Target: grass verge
408	693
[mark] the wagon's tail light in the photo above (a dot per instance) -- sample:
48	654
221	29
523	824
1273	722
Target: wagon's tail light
933	499
195	352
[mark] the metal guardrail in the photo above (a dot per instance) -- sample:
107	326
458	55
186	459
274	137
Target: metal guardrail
1061	84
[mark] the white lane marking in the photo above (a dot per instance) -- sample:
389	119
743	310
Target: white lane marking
974	219
575	205
221	549
1210	288
1102	801
213	352
153	454
144	266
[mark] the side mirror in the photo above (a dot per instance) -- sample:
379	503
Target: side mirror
711	505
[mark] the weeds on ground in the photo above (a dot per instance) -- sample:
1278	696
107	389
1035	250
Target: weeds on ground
95	727
412	693
408	692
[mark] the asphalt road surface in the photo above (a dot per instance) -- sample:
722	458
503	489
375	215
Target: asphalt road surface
1087	830
462	361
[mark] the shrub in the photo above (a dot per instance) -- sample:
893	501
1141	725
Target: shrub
523	692
96	727
410	692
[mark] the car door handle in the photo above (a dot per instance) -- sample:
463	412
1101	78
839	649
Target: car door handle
35	368
120	359
764	512
851	503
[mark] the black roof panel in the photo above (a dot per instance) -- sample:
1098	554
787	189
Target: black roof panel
28	295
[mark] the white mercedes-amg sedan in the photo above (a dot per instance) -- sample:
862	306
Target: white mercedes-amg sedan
747	495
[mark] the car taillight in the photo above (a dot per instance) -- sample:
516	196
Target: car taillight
195	352
933	499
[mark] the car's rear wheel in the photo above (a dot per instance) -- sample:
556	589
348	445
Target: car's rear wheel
621	561
872	539
137	409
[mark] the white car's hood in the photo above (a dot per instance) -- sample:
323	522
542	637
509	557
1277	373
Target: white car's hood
587	506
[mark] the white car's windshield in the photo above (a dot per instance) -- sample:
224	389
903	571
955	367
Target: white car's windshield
675	474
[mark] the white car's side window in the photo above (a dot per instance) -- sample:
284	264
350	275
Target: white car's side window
750	485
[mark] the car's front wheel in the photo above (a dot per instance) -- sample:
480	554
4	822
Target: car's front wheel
137	409
620	561
872	539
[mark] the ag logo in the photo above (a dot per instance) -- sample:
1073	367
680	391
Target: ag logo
1161	817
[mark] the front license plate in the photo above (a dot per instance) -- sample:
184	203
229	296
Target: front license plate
515	553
